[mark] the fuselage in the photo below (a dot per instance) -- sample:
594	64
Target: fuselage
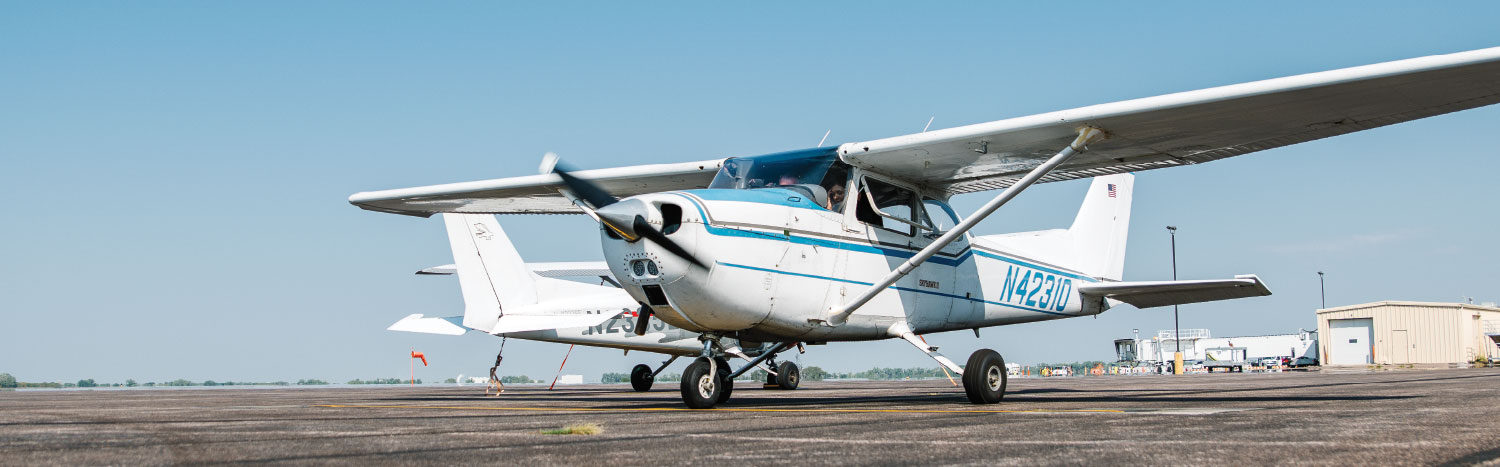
779	259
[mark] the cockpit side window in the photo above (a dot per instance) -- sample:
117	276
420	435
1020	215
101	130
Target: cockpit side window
889	199
937	214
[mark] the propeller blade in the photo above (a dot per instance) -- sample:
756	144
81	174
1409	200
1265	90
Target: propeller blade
644	229
584	189
643	318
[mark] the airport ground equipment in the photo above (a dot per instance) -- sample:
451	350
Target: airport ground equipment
857	242
1232	359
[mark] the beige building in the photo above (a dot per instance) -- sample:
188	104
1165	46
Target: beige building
1394	333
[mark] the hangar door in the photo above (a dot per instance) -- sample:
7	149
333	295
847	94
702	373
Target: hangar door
1351	341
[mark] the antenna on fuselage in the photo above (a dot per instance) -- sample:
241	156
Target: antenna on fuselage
825	137
929	123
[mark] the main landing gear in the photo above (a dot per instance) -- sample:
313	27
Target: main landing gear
786	378
984	376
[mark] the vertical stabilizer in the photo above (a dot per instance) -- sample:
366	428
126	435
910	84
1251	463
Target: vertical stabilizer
490	271
1098	233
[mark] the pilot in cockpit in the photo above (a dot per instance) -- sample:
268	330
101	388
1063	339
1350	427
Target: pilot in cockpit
835	197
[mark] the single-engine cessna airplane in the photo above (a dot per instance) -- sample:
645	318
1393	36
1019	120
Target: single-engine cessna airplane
539	306
857	242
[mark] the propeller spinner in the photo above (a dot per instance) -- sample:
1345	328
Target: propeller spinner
624	218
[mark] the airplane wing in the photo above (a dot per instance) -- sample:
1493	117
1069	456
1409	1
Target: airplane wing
535	194
1162	293
1189	127
559	269
1141	134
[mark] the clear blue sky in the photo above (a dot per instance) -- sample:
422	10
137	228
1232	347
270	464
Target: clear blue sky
177	172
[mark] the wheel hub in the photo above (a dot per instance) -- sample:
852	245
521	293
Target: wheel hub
706	386
994	378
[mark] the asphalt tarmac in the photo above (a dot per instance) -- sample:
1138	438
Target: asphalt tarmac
1391	417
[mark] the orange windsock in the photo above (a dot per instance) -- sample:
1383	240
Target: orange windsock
416	354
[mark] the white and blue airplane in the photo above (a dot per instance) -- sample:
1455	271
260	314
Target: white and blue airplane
857	242
539	305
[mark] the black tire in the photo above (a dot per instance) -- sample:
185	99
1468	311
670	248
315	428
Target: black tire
726	385
640	378
699	389
789	376
985	377
770	379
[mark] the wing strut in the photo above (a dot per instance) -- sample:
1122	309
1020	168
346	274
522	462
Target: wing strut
1080	144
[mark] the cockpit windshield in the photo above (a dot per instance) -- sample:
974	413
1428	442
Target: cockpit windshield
805	167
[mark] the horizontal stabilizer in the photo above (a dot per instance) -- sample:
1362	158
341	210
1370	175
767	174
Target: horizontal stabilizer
416	323
520	323
1162	293
563	269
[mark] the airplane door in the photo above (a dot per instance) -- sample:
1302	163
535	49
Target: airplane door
892	215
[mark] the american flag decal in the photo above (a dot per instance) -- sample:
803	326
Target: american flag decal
1111	190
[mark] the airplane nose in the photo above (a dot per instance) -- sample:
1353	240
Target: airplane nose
621	217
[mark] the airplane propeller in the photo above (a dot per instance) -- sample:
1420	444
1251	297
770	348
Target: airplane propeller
623	218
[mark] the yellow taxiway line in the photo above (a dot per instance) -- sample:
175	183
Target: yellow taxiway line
684	409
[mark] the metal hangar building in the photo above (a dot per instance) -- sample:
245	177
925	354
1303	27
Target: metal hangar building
1399	333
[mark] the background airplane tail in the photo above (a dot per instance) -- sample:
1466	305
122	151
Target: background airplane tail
1098	233
490	271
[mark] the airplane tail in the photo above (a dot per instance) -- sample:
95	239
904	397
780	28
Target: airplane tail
490	271
1095	243
502	294
1099	231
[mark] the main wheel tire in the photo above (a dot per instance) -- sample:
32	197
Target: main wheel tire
726	385
789	376
640	378
985	377
771	379
700	390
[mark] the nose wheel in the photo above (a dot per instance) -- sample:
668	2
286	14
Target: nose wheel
701	388
640	378
985	377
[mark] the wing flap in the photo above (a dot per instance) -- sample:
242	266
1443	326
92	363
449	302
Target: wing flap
534	194
1189	127
1162	293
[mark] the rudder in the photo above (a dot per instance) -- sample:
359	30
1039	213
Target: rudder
491	274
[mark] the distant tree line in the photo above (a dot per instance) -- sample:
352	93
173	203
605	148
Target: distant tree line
382	381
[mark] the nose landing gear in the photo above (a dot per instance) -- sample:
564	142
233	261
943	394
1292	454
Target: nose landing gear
706	383
641	376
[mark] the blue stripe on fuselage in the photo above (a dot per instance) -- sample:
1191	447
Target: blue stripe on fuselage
969	250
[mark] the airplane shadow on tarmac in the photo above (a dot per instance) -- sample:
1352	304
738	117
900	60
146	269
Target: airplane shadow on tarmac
838	397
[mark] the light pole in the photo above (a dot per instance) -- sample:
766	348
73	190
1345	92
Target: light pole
1176	324
1322	291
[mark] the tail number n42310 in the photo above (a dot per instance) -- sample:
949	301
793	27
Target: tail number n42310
1036	289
